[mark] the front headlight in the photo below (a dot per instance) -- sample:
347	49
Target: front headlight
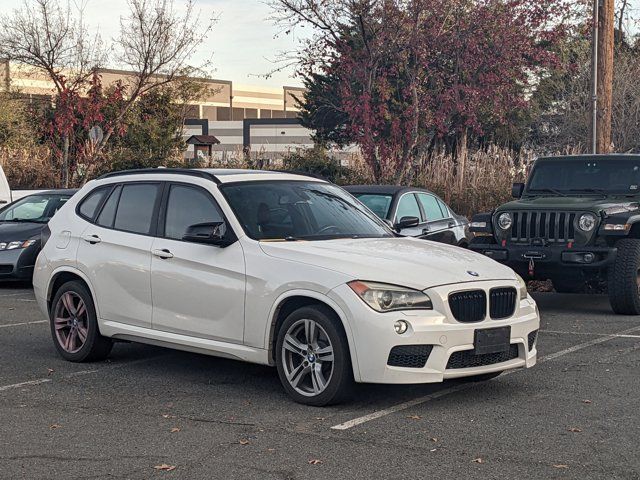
587	222
387	298
18	244
522	287
505	221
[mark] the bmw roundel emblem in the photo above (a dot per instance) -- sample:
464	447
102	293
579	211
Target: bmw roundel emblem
473	274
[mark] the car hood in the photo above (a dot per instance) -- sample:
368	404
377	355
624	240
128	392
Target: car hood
14	231
409	262
594	203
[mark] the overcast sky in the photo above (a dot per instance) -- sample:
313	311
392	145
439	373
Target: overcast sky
242	46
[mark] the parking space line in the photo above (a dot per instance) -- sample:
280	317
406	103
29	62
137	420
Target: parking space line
80	373
590	333
417	401
24	384
23	323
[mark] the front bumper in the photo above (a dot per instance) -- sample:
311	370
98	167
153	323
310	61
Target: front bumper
373	336
17	264
520	255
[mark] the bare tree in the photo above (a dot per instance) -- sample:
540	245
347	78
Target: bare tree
156	43
46	36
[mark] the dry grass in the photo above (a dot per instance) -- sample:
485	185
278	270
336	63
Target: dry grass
29	167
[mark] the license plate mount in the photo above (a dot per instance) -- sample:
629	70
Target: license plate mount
492	340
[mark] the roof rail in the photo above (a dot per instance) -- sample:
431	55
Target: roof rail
172	171
303	173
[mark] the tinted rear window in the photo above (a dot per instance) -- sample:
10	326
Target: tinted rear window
91	202
135	208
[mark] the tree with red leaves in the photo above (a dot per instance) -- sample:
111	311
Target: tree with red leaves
407	73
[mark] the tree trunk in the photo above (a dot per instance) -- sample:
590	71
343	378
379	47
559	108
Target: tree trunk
462	153
65	161
605	75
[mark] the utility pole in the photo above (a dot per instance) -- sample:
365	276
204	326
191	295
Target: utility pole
604	77
594	77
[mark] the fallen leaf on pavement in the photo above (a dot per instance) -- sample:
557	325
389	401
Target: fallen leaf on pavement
54	426
414	417
560	465
175	429
244	441
315	461
50	371
165	468
433	439
166	415
586	401
478	460
574	429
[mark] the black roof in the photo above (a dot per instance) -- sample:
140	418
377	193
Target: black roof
383	189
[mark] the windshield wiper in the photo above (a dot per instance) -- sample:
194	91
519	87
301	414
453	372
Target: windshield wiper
547	190
22	220
589	190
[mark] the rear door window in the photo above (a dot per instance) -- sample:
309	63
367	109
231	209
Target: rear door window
431	208
108	213
136	207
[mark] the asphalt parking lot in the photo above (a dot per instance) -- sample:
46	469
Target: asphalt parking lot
156	413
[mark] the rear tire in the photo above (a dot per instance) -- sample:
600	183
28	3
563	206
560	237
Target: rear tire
312	357
74	325
623	282
568	286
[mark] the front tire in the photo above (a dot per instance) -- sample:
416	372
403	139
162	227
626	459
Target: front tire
623	282
312	357
74	325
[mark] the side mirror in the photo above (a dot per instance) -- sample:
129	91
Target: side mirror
407	222
214	233
517	189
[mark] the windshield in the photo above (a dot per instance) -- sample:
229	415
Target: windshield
299	210
377	203
606	176
34	208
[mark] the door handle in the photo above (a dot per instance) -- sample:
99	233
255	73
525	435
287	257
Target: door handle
452	224
164	253
425	231
92	239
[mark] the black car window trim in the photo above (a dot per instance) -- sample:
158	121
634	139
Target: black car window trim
162	214
109	188
116	190
154	215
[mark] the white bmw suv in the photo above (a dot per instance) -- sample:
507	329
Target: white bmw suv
278	269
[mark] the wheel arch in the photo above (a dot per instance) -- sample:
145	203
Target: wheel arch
66	274
294	299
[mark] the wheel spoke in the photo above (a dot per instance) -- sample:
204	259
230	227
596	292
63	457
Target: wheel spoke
60	323
69	340
67	301
297	375
82	334
317	379
293	345
325	354
310	332
81	310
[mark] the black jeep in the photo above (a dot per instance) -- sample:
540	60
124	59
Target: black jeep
576	221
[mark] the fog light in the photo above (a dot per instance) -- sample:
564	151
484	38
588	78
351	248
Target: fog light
589	257
400	326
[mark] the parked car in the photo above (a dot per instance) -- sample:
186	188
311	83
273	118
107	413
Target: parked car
276	269
414	212
21	224
577	220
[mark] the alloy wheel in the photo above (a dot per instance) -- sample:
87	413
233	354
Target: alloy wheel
71	322
307	357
